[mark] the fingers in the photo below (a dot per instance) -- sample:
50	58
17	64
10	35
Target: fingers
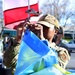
36	28
32	26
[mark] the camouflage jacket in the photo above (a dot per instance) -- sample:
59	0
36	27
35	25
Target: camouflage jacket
10	57
63	55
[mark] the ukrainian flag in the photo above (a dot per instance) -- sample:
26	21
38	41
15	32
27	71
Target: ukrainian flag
36	58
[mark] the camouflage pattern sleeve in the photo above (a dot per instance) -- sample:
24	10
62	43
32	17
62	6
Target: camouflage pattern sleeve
10	56
63	55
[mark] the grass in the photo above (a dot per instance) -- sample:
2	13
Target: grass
68	40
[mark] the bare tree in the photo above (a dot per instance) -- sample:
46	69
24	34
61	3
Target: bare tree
58	8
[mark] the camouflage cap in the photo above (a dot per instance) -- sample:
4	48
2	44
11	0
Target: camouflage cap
47	20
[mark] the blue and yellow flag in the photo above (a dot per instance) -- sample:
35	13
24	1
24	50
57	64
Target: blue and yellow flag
36	58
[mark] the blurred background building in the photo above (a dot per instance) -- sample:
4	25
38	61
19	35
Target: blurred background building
69	31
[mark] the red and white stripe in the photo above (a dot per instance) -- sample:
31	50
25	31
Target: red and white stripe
14	10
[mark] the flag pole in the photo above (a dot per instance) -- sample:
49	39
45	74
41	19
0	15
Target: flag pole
28	8
27	18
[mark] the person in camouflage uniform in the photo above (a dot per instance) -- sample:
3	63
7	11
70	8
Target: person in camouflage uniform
11	53
61	48
50	28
